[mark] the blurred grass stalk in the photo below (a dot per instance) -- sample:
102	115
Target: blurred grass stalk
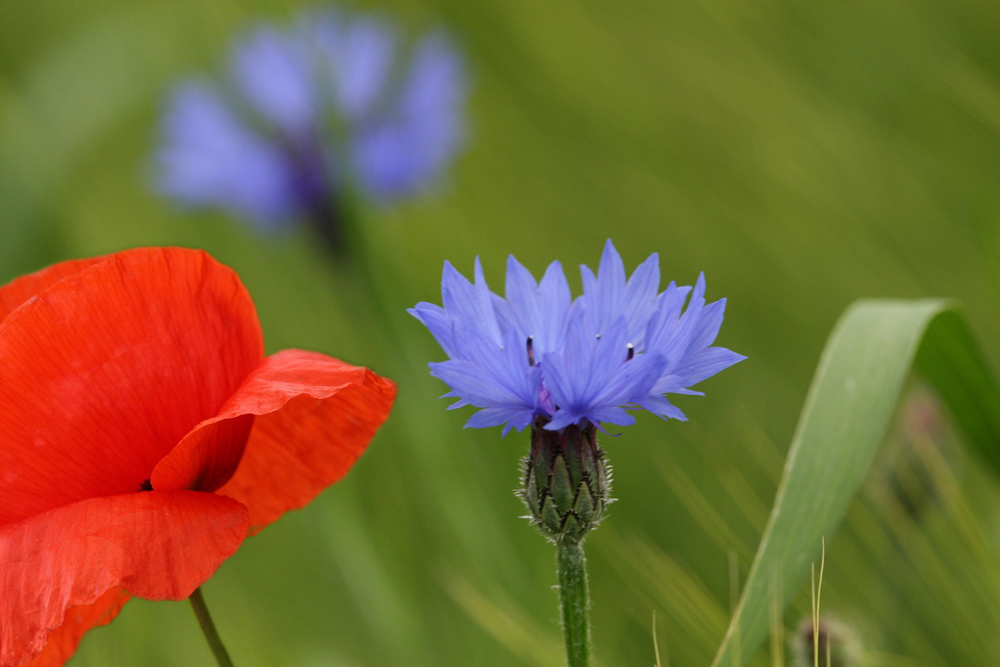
865	363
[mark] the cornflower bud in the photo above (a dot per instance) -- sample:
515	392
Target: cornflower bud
566	481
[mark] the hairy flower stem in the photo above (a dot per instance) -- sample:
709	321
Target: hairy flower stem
566	485
575	599
208	627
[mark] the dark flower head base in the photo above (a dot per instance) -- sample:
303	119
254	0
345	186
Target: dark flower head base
567	483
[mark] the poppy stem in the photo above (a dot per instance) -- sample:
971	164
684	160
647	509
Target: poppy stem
208	627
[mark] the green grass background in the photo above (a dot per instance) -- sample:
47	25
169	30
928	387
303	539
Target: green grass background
802	154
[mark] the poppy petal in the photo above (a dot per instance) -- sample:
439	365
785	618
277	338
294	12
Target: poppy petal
63	641
158	545
104	372
315	417
207	456
19	290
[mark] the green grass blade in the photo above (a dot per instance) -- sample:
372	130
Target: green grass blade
951	360
847	412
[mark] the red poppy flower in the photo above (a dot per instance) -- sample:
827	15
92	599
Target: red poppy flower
144	434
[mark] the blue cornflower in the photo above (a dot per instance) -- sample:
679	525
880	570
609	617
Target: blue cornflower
310	112
540	357
537	357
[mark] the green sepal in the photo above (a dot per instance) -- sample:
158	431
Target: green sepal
565	482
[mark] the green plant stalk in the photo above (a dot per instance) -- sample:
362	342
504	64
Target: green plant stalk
208	628
853	396
575	599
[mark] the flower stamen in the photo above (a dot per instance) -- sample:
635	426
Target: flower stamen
631	352
531	351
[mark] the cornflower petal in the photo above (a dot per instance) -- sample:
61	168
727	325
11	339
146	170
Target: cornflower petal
323	110
486	314
537	310
210	158
666	312
674	384
707	363
609	353
274	71
521	292
436	319
619	346
360	55
555	304
562	419
632	381
511	418
500	377
470	305
431	98
468	381
660	406
566	373
605	292
640	298
525	380
611	415
708	326
608	295
423	128
503	312
461	403
677	335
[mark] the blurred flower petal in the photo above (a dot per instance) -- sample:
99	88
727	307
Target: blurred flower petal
360	54
328	108
274	70
211	159
423	129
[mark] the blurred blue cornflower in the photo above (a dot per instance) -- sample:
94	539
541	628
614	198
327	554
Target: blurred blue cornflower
311	113
539	357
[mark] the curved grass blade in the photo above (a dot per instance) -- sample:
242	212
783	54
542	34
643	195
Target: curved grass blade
853	395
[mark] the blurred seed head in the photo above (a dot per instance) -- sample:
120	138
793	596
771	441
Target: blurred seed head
845	648
922	442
